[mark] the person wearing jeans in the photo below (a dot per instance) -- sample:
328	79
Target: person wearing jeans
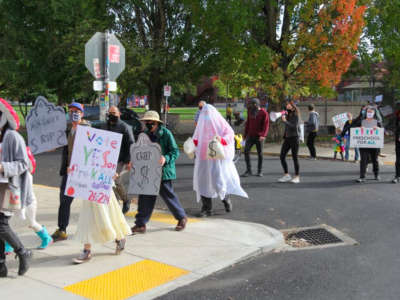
291	142
255	132
346	135
312	126
170	152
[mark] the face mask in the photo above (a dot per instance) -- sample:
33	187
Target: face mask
75	116
112	119
150	126
370	115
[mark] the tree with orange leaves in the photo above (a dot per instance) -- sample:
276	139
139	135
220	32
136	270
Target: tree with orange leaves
285	47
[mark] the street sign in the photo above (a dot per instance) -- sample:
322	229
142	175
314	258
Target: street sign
167	90
98	86
95	59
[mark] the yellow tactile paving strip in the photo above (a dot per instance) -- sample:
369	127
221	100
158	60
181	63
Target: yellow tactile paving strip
164	218
127	281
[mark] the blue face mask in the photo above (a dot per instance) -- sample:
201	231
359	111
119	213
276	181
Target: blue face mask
75	116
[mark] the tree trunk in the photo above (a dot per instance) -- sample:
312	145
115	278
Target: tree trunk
155	92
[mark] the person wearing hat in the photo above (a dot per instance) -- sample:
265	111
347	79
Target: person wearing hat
170	152
76	112
256	130
14	166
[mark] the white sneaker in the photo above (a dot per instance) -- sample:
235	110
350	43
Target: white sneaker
285	178
295	180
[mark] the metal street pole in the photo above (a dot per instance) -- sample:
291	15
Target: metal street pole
104	108
165	109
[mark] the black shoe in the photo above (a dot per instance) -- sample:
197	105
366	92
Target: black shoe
3	270
360	180
24	256
246	174
205	213
228	204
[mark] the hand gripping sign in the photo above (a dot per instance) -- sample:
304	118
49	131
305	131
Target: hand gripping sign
46	125
93	164
146	171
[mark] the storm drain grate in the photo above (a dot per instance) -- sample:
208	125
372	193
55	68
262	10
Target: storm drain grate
317	236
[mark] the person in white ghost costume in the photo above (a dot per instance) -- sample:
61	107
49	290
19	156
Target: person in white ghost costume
214	177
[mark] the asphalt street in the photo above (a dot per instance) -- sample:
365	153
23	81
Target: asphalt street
327	194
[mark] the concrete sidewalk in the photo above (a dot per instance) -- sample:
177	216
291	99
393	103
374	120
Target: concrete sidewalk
326	152
151	265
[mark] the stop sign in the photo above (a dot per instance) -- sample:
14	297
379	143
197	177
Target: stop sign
95	56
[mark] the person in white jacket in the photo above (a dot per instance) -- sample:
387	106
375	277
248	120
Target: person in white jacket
214	177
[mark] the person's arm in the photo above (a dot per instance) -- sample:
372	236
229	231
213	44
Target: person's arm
293	123
173	150
246	128
20	163
265	123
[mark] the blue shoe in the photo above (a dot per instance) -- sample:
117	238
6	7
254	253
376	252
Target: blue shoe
8	249
45	237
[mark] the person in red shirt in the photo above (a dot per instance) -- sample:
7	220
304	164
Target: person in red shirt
255	132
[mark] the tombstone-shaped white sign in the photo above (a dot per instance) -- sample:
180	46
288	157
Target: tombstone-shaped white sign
340	120
93	164
146	171
46	125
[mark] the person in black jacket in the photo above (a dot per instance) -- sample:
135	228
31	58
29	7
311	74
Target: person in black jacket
396	178
291	141
115	124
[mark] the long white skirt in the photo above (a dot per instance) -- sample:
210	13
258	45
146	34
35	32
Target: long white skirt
101	223
216	178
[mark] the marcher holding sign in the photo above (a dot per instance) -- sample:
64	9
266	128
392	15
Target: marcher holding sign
214	178
346	135
90	177
369	138
170	152
46	125
76	113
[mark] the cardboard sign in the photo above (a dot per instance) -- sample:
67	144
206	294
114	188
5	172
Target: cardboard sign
46	125
146	170
93	164
340	120
361	137
386	110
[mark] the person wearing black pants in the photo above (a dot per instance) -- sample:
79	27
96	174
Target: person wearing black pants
9	236
255	132
291	141
312	126
370	120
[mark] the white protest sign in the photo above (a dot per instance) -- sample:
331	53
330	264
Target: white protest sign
386	110
46	125
93	164
361	137
146	170
340	120
301	132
